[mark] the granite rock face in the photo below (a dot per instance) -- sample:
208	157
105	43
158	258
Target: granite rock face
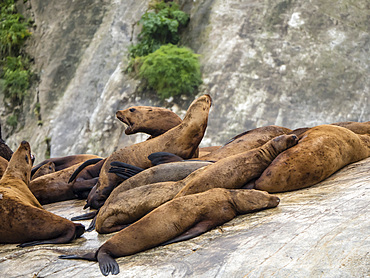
290	63
321	231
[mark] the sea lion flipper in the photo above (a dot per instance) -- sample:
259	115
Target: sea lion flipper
163	157
107	264
92	224
124	170
86	216
82	166
196	230
89	256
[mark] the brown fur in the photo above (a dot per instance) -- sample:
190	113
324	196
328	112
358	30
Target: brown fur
65	161
235	171
322	151
23	220
180	219
246	141
147	119
54	187
5	151
126	206
3	165
356	127
182	140
44	170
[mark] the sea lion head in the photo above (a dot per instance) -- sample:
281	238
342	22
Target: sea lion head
247	200
20	164
95	199
283	142
151	120
199	106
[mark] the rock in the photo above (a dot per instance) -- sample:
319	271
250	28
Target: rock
290	63
321	231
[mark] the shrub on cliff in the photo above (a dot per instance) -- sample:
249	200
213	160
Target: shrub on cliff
159	26
171	70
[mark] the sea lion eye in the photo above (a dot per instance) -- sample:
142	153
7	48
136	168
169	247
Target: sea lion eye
132	109
27	159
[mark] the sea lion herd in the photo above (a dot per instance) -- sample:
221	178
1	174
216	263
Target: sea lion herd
166	189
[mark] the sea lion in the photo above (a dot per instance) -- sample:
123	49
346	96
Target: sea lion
5	151
44	170
237	170
54	187
3	165
182	140
148	119
356	127
322	151
126	206
180	219
65	161
246	141
111	218
23	220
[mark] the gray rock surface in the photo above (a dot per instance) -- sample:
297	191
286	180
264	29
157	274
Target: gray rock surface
321	231
291	63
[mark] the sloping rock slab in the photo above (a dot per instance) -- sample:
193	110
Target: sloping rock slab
322	231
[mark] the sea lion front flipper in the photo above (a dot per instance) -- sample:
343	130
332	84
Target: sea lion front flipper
89	256
124	170
82	187
83	166
164	157
195	231
107	264
86	216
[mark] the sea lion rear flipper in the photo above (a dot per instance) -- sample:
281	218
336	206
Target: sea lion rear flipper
107	264
82	166
163	157
195	231
124	170
86	216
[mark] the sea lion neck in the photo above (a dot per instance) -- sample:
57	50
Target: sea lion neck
274	147
20	164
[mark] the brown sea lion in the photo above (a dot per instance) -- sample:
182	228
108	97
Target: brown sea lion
235	171
5	151
246	141
356	127
44	170
148	119
3	165
23	220
180	219
65	161
54	187
126	206
112	218
182	140
322	151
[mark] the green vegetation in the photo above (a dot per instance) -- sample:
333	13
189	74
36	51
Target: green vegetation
14	66
171	70
159	27
168	69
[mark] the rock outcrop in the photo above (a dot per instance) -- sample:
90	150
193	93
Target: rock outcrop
290	63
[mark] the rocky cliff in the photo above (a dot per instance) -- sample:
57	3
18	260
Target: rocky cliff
293	63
